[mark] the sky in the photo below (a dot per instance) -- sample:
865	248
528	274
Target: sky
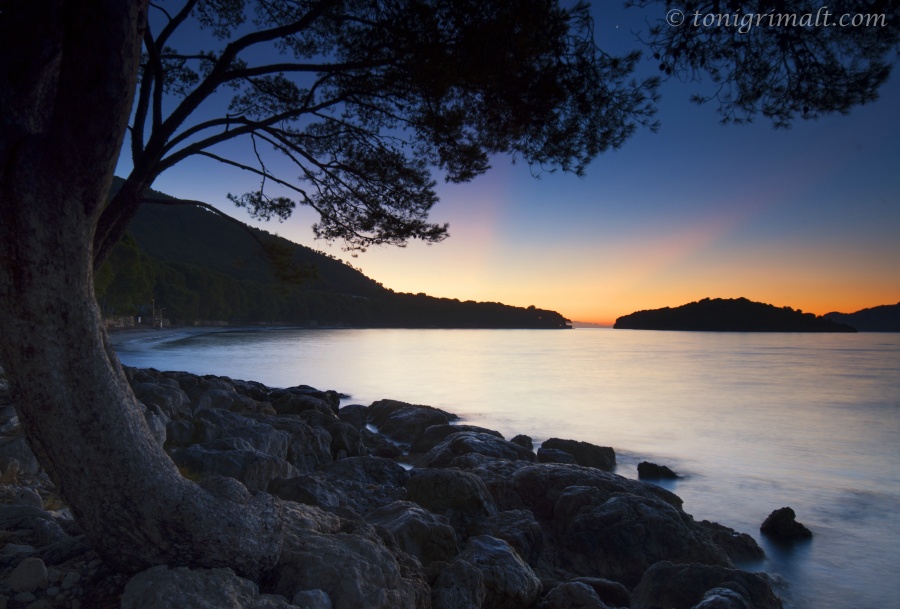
807	217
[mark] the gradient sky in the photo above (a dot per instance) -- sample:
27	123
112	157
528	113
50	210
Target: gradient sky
807	217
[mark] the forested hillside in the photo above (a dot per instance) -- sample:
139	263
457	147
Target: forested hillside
196	265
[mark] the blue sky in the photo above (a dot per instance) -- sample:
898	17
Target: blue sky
807	217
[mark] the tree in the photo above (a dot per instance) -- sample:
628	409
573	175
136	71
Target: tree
365	99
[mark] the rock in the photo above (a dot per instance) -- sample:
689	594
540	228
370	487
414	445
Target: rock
509	583
417	531
370	470
783	526
586	454
740	547
554	455
355	415
291	403
572	595
685	586
345	438
309	448
379	446
459	496
251	467
28	576
405	422
181	588
306	489
612	593
652	471
523	441
518	528
621	537
27	496
433	435
463	443
15	447
458	586
312	599
170	399
722	598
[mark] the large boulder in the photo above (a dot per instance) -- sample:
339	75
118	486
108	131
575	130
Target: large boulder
405	422
572	595
309	448
345	438
586	454
518	528
686	586
459	496
782	525
433	435
251	467
467	442
460	585
653	471
306	489
622	536
740	547
370	470
417	531
355	415
509	583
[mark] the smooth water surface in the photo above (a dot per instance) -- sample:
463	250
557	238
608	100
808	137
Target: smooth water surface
754	422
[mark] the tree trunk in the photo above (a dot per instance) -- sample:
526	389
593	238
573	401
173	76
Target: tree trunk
59	142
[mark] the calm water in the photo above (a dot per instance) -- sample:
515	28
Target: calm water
754	421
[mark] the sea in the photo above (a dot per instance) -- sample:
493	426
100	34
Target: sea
752	422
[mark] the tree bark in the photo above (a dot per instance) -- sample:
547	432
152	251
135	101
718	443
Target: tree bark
69	104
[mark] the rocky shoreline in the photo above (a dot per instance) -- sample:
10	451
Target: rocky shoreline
392	505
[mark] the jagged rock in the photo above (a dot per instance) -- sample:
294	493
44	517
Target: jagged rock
460	585
572	595
459	496
433	435
524	441
417	531
28	576
355	415
509	583
620	537
169	398
554	455
586	454
379	446
181	588
783	526
684	586
253	468
405	422
345	439
466	442
518	528
722	598
652	471
309	448
306	489
291	403
370	470
740	547
354	568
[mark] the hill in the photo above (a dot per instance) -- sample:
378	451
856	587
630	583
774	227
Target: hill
199	265
729	315
885	318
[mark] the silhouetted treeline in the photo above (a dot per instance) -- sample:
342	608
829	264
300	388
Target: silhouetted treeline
729	315
885	318
196	265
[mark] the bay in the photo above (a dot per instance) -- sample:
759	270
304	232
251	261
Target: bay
753	422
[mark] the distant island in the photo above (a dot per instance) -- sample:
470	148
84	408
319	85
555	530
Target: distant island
729	315
181	264
885	318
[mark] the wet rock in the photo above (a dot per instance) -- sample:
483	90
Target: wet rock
518	528
509	583
379	446
309	447
458	586
370	470
586	454
612	593
524	441
468	442
433	435
251	467
553	455
417	531
405	422
355	415
345	438
312	599
684	586
459	496
783	526
620	537
291	403
740	547
170	399
652	471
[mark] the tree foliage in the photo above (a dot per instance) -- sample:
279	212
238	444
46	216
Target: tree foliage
784	60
